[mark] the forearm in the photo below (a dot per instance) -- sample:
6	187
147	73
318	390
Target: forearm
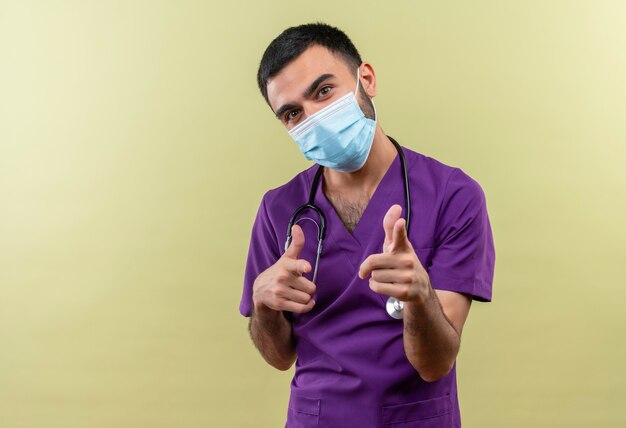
431	343
271	333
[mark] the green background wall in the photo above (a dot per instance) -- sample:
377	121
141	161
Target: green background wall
135	148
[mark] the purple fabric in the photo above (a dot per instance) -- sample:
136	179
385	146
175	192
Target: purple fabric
351	368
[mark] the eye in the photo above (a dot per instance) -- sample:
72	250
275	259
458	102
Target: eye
325	90
291	115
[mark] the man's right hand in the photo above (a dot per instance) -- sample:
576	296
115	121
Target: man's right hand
281	287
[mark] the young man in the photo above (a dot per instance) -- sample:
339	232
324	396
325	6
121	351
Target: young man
361	360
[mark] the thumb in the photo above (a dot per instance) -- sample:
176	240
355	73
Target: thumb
297	242
392	216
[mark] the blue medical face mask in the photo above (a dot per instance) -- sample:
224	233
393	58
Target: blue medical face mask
339	136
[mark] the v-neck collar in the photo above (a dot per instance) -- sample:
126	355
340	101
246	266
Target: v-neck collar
372	216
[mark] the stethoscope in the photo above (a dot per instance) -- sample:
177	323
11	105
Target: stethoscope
394	306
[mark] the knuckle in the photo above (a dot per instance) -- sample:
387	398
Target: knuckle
281	277
277	293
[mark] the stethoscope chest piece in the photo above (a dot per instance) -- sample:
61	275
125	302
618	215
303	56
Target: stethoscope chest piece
395	308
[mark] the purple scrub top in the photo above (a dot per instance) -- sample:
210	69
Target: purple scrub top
351	369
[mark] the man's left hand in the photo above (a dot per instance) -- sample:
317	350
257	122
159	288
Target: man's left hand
397	271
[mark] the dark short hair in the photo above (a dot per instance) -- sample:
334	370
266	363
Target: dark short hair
294	40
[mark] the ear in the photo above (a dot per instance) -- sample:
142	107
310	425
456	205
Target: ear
368	79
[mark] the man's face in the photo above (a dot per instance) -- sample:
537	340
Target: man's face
309	83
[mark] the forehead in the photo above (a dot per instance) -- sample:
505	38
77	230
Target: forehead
288	85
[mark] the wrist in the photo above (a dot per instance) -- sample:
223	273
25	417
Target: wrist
264	312
423	298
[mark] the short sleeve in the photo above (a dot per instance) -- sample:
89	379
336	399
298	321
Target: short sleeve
263	252
464	254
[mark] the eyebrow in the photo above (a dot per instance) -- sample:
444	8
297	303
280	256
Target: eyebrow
306	93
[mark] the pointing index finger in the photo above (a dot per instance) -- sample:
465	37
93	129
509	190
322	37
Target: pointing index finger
400	238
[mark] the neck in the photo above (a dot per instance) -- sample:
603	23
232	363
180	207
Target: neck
366	179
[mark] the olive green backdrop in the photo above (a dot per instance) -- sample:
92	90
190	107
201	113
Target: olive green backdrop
135	148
